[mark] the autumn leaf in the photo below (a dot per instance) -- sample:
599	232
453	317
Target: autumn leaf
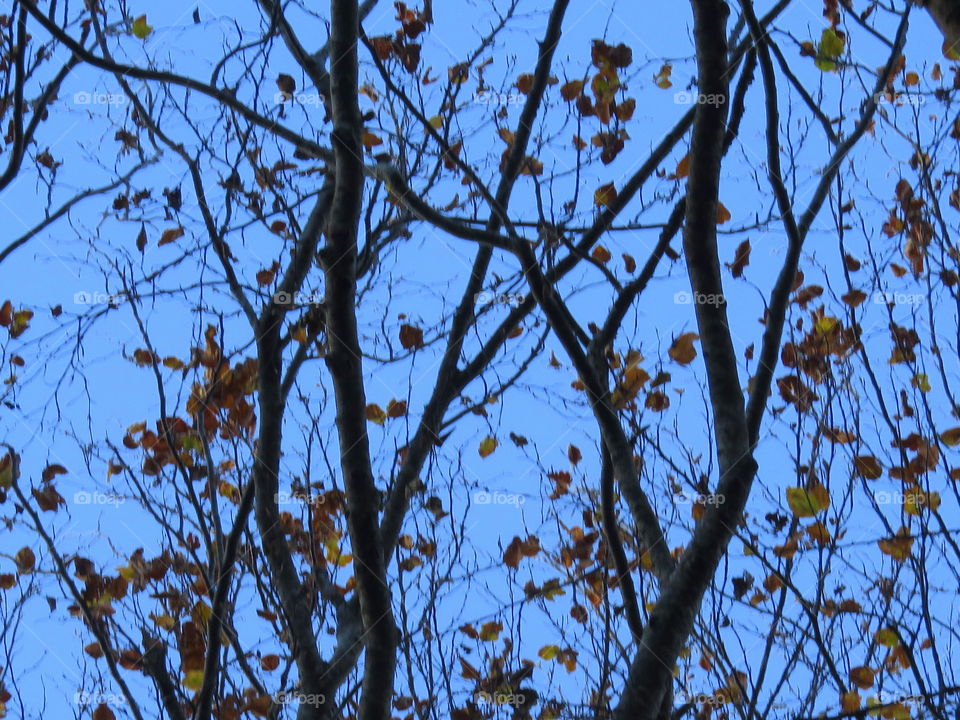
51	471
375	414
808	502
683	168
850	701
140	28
286	84
193	680
270	662
829	49
601	254
867	467
524	83
370	140
549	652
411	337
25	560
682	350
170	236
862	677
570	91
103	712
490	631
951	437
604	195
741	259
662	78
897	547
574	455
723	215
396	408
487	446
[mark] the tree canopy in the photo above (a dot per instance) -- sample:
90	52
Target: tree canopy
384	361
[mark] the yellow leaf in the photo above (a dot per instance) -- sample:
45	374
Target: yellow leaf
436	122
604	195
850	701
549	652
193	680
164	621
826	324
662	78
487	446
912	79
140	28
887	637
921	382
807	503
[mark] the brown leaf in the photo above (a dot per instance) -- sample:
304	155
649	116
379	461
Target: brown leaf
411	337
287	85
170	236
51	471
741	259
682	350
